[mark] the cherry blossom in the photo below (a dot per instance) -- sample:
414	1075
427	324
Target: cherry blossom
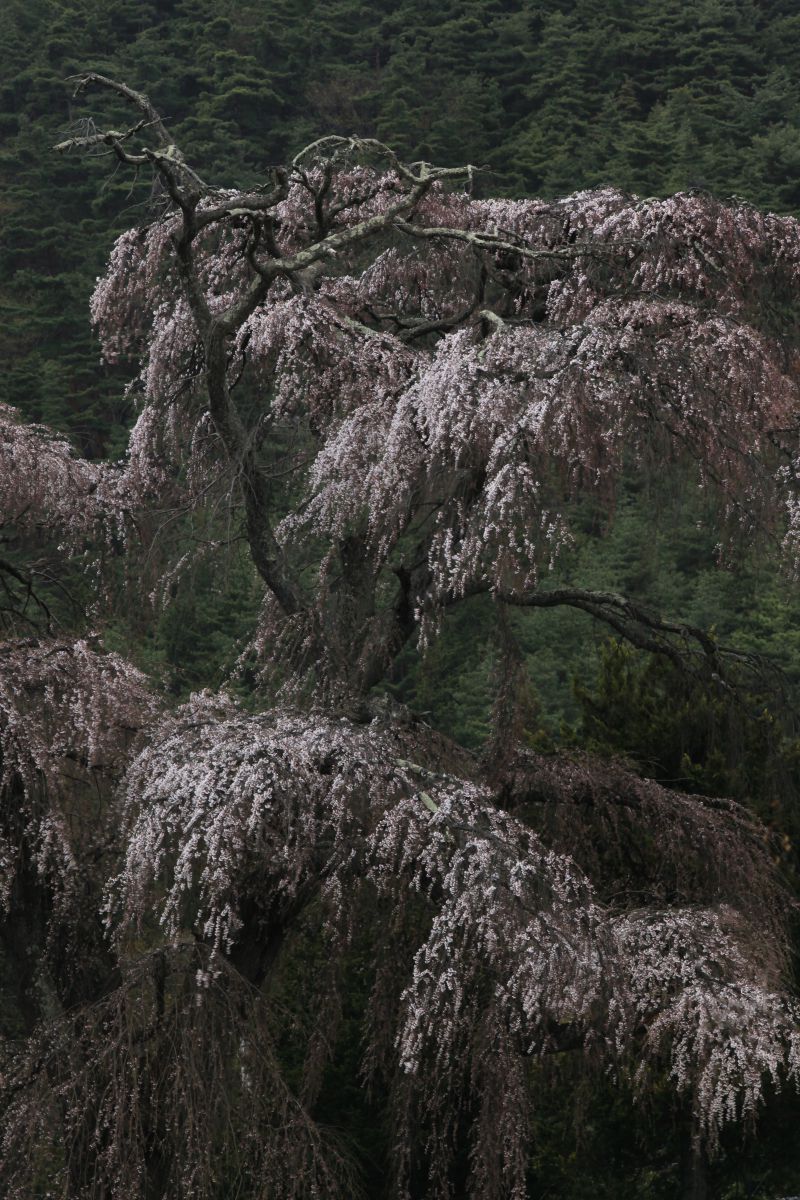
399	391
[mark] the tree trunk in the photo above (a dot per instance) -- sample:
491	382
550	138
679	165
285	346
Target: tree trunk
694	1172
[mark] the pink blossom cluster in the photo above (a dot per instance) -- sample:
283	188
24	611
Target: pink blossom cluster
69	714
62	702
219	802
724	1025
228	813
600	347
44	485
353	193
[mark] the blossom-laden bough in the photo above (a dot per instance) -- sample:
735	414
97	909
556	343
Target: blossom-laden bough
399	390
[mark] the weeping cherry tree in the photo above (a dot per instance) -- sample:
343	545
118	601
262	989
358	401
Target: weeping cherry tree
396	394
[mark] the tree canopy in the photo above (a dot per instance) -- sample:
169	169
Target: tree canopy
393	392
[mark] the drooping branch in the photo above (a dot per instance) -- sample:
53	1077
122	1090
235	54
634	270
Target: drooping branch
66	702
45	486
643	843
21	594
171	1073
636	623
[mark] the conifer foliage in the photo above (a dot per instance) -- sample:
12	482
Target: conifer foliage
394	391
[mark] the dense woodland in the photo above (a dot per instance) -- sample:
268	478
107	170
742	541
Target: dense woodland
547	100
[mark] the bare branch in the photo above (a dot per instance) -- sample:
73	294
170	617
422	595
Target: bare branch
500	243
639	625
89	79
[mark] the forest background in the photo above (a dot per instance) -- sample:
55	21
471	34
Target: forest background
549	96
